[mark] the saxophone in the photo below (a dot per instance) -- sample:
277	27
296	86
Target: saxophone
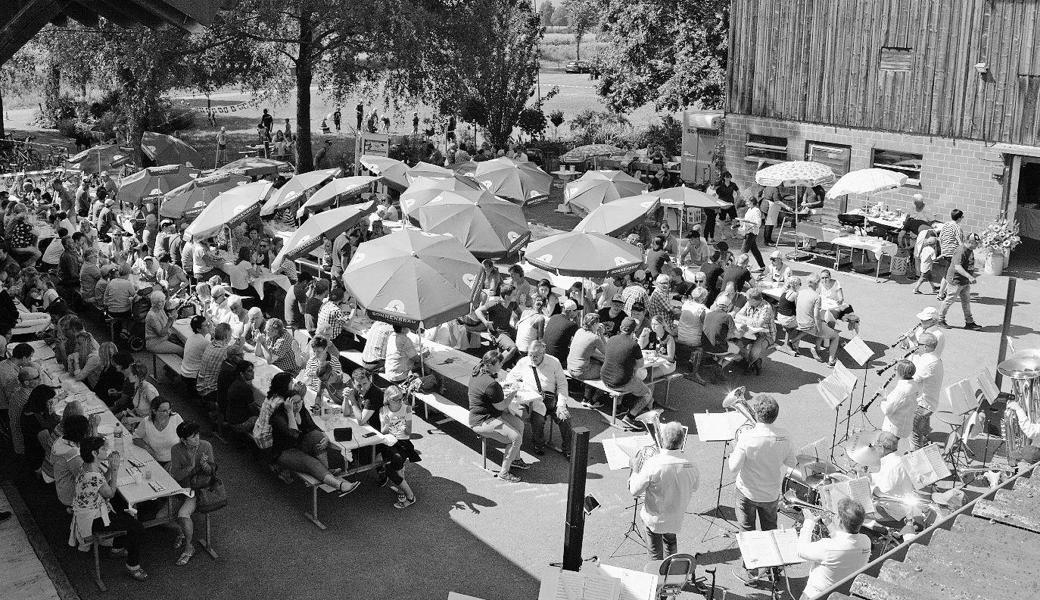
652	420
737	400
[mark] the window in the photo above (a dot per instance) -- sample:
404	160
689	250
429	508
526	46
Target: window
902	162
765	148
896	60
835	156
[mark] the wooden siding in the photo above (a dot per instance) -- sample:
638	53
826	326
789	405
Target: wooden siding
819	61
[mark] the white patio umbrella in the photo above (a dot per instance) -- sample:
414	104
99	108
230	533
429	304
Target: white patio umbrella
795	173
867	182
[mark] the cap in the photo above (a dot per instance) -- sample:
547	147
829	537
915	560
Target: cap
166	222
628	325
775	254
663	279
617	298
570	305
930	313
723	246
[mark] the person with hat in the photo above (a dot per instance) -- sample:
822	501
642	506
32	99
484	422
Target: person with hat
612	315
928	323
959	280
559	330
928	372
623	370
776	272
106	220
722	255
162	239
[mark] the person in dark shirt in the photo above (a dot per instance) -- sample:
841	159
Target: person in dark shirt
302	446
656	256
612	316
559	330
737	274
958	282
712	273
300	294
623	371
490	417
227	375
727	191
241	406
314	302
717	325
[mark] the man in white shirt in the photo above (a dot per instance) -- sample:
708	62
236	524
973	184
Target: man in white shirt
194	347
892	478
929	374
401	355
836	557
929	323
667	482
760	459
752	222
543	375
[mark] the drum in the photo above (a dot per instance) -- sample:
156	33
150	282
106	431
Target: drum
804	491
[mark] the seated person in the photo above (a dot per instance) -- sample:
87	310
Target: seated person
530	325
832	301
811	321
192	465
85	364
395	418
540	374
158	433
275	346
492	416
661	342
323	373
367	402
64	455
401	356
374	352
157	327
585	357
837	556
756	329
623	371
776	272
696	251
241	406
1031	453
497	314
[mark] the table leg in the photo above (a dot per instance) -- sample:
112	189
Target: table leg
313	515
205	543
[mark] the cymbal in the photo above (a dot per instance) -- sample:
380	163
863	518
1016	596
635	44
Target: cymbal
1021	365
862	451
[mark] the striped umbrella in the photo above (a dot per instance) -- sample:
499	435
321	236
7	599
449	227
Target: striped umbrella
514	180
188	200
230	208
487	226
583	254
295	188
414	278
594	188
329	223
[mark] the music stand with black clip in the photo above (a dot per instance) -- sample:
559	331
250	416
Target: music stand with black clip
719	427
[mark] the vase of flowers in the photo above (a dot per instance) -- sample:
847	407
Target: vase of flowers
998	240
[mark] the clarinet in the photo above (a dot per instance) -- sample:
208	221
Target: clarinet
905	336
894	363
880	391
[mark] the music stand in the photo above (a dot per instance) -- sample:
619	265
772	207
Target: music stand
718	427
837	389
770	550
619	452
633	532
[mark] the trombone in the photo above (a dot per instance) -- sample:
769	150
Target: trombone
792	500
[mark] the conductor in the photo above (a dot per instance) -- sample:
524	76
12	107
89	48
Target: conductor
668	481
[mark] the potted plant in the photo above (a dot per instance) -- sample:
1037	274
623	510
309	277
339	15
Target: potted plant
998	240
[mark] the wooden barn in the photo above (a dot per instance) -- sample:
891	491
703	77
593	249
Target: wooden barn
944	91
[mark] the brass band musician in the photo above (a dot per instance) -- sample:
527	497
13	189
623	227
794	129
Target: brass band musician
928	322
667	480
1031	453
836	557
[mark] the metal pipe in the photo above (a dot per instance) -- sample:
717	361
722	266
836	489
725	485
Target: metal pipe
1009	307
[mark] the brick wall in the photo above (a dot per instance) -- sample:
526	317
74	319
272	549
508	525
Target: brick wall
954	174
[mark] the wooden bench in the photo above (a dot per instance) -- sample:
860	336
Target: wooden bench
172	361
615	396
95	542
314	485
459	414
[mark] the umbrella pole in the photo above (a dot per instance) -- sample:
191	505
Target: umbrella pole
422	362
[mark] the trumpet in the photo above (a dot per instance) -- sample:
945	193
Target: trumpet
790	498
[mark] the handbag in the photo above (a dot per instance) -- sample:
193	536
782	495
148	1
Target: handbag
211	497
549	398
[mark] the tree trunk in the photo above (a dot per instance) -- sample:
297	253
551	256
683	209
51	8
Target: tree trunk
577	46
52	92
135	128
304	75
2	132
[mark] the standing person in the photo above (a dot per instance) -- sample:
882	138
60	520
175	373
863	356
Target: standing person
926	263
337	118
267	121
898	407
491	416
837	556
727	192
761	457
959	279
415	123
667	481
321	159
951	236
928	373
751	223
222	155
360	112
773	218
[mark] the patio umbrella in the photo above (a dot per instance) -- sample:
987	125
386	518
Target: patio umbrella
256	166
338	189
425	169
424	189
154	181
487	226
101	158
229	208
594	188
465	168
583	153
866	182
188	200
514	180
613	218
795	173
691	198
583	254
329	223
414	278
295	188
168	150
393	172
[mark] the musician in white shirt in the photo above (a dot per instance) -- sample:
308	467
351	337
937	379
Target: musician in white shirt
929	374
551	384
667	481
836	557
899	406
892	481
929	323
761	457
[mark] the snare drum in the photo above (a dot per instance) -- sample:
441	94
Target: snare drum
805	491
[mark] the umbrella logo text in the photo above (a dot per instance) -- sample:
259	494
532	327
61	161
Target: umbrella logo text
469	279
620	260
395	306
546	258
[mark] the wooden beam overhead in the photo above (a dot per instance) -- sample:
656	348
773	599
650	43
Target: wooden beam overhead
26	23
82	15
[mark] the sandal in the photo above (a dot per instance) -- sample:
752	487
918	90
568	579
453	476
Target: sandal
405	503
185	557
137	572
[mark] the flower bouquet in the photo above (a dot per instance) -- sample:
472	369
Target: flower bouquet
1001	237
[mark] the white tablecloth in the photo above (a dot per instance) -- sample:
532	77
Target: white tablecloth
877	246
895	223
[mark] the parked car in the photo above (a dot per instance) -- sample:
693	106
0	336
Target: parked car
578	66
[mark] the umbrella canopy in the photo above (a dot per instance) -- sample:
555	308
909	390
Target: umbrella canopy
594	188
582	254
188	200
424	189
338	189
691	198
296	187
619	215
255	166
867	181
425	169
393	172
101	158
329	223
168	150
229	208
487	226
414	278
154	181
517	181
583	153
795	173
465	168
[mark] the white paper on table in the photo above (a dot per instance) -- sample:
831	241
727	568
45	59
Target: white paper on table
859	351
635	585
557	584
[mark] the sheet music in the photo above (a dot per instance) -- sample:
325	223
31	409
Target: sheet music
859	351
845	376
832	392
769	548
620	450
855	489
958	398
989	389
635	585
718	427
558	584
925	466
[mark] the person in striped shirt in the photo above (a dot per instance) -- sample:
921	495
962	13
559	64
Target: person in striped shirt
951	236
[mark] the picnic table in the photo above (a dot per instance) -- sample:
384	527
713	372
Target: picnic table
257	283
880	248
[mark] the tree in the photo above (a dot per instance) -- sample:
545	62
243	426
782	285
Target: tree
583	16
545	13
556	118
670	52
532	122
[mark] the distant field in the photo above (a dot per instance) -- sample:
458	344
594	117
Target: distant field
559	48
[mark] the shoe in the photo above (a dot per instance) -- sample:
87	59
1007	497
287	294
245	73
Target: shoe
350	488
404	503
629	422
507	476
185	557
972	325
117	553
178	541
942	323
137	572
520	464
382	479
539	451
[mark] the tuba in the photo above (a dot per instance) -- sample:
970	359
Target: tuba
737	400
652	420
1023	369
